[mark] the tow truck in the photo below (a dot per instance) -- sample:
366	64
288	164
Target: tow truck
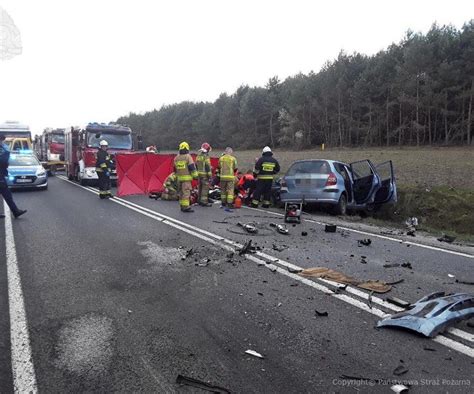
82	144
49	147
18	136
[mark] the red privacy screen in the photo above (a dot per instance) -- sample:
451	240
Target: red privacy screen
141	173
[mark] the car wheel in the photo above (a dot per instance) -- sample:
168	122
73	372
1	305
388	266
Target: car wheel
341	207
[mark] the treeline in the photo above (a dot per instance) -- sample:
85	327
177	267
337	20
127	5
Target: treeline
416	92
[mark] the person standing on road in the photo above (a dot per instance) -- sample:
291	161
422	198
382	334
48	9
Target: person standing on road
227	168
265	169
203	164
4	190
103	168
185	170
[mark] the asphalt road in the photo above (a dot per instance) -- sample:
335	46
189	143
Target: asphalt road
127	294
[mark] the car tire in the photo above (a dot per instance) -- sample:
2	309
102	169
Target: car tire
341	207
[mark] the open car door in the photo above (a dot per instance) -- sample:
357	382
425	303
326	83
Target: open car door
366	182
388	190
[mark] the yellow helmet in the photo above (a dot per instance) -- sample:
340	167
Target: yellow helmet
184	145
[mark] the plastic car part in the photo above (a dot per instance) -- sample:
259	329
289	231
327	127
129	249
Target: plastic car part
433	313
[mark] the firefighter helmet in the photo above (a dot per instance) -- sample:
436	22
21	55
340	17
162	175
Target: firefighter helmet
184	146
266	149
103	143
206	147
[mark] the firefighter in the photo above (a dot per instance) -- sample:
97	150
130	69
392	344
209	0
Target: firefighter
4	190
227	169
246	186
171	188
104	165
185	170
203	164
265	169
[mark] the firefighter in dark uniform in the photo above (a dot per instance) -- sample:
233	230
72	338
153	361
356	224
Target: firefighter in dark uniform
104	166
265	169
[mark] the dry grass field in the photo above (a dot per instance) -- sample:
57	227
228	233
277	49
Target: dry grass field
426	167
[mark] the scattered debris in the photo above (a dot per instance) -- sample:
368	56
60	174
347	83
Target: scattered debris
399	388
412	222
279	304
322	314
304	233
411	232
260	294
407	265
185	380
429	349
254	353
281	228
293	213
369	299
393	265
329	274
279	248
249	227
447	238
465	282
398	302
330	228
451	275
294	270
400	370
363	260
187	253
248	248
433	313
364	242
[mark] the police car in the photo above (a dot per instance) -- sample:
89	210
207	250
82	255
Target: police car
25	171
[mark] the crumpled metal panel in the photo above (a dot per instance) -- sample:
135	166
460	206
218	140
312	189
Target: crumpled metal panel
433	313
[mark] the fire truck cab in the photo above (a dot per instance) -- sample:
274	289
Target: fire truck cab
49	148
82	144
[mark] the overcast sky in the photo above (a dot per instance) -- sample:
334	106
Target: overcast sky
95	60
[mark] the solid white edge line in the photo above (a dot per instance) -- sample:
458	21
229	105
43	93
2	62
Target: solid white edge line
217	240
24	378
470	256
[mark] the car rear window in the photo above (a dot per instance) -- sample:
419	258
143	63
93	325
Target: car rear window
310	167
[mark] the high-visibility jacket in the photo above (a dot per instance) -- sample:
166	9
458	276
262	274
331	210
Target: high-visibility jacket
203	164
227	167
184	168
267	167
171	182
104	162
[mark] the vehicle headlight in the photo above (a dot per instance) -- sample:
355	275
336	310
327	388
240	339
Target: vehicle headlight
41	173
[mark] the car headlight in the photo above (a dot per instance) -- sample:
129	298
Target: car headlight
41	173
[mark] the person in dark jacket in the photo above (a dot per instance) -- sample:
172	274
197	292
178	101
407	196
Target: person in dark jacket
265	169
4	191
103	167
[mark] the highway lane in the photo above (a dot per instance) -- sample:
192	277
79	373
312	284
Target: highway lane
112	305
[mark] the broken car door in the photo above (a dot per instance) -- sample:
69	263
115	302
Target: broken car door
366	182
388	190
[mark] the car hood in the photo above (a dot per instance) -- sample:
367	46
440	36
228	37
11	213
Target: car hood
23	170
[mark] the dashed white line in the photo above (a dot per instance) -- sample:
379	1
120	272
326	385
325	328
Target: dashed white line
24	378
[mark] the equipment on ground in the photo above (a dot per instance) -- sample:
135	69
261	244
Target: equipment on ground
293	212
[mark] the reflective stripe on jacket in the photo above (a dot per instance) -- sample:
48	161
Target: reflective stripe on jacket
184	168
203	164
267	167
227	167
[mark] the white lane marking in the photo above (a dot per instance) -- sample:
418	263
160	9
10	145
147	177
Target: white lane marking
470	256
24	378
231	245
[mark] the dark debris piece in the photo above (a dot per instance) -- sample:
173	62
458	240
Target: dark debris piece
304	233
200	384
364	242
398	302
322	314
407	265
447	238
394	265
400	370
330	228
294	271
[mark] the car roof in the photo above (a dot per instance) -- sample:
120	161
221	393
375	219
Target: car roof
310	160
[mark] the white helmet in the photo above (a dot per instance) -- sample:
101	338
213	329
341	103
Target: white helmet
266	149
103	143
